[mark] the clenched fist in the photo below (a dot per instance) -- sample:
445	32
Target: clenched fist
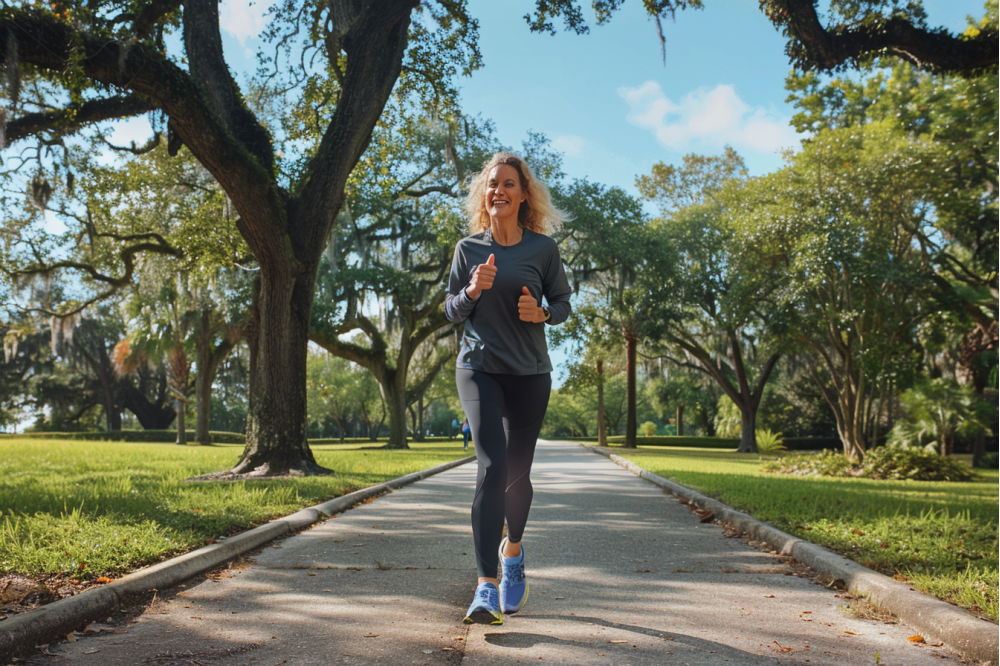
528	308
482	278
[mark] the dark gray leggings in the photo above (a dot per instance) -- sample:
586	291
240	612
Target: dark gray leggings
506	414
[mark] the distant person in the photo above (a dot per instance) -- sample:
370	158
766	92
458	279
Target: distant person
498	279
466	432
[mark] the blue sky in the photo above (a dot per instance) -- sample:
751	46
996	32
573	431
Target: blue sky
606	99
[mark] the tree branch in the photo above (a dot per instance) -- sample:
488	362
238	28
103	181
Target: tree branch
76	116
813	46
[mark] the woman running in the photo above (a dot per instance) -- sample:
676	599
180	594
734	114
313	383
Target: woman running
498	279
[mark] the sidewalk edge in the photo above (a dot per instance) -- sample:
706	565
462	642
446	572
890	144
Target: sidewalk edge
935	619
59	618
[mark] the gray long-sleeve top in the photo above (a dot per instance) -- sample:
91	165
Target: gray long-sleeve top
495	338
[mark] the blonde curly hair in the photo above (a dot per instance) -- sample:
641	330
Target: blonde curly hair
536	213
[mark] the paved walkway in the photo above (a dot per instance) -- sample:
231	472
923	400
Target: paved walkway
620	573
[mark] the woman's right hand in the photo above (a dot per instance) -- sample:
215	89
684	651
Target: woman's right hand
482	278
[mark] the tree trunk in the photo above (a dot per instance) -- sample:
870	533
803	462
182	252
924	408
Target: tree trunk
113	417
420	419
181	426
630	417
680	419
395	405
748	429
152	416
203	382
278	334
602	431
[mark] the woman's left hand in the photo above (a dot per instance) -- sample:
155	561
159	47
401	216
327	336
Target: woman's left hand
528	308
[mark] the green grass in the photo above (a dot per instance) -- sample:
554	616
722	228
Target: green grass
89	509
940	537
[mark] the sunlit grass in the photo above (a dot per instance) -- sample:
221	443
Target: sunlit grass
941	537
88	509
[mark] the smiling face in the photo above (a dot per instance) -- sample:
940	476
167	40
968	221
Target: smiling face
504	194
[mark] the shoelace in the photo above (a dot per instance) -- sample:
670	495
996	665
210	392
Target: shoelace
514	571
490	596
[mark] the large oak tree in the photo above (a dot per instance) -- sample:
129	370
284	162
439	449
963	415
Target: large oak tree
103	60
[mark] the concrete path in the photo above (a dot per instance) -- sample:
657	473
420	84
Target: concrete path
620	573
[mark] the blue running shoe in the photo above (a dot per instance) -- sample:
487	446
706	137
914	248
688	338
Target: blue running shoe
513	586
485	608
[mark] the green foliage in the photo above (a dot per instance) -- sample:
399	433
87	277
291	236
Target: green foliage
890	462
135	436
647	429
728	419
885	462
940	537
934	412
87	509
769	442
697	442
989	461
824	463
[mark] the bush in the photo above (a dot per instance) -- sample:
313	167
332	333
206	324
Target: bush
647	429
134	436
826	463
894	462
769	442
695	442
885	462
989	461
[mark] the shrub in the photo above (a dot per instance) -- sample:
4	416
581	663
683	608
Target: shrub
694	442
647	429
826	463
894	462
935	412
886	462
134	436
769	442
989	461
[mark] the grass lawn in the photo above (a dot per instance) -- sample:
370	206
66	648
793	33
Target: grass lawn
939	537
88	509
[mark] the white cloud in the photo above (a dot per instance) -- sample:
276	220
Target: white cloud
570	144
707	119
243	19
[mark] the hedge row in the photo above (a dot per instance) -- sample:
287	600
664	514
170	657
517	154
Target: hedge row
133	436
791	443
699	442
368	440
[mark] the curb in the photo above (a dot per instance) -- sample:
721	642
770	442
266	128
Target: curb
935	619
57	619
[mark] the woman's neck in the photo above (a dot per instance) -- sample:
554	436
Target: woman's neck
505	231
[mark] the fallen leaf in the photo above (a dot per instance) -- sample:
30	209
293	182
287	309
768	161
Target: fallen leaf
560	597
195	617
769	596
936	644
847	631
103	579
448	649
916	639
858	532
642	570
370	635
311	573
617	640
70	637
91	651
